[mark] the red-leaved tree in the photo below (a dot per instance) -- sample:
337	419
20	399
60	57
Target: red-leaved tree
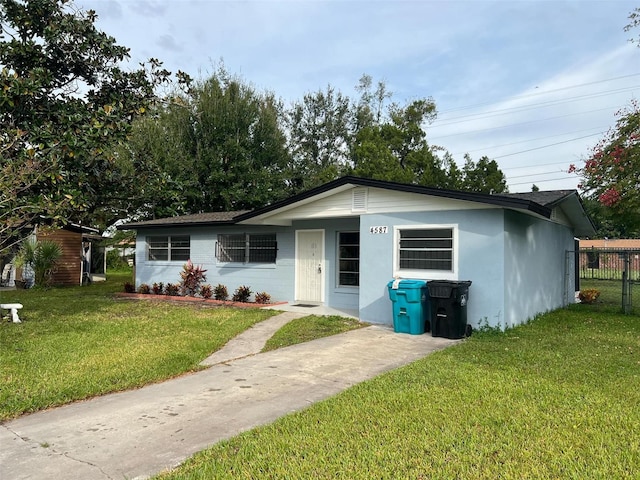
612	173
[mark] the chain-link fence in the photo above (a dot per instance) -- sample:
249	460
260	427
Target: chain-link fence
611	270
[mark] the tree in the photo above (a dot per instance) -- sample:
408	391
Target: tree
241	148
483	177
321	130
612	173
217	147
64	101
390	141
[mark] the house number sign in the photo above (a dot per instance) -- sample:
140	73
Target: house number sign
378	230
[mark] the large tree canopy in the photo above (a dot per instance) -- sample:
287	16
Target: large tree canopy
375	137
219	147
612	173
64	102
226	146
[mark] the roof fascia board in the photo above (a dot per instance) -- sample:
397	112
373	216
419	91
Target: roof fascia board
345	183
140	226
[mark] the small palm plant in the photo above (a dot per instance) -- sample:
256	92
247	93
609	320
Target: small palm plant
42	257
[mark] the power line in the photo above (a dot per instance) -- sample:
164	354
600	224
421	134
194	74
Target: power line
545	92
508	111
534	174
539	181
549	145
521	123
564	162
530	140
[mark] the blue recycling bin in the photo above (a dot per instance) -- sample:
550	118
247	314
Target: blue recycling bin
410	306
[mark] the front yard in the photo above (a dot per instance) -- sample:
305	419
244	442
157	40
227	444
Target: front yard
79	342
557	398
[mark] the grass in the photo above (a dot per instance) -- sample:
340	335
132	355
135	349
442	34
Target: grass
78	342
556	398
309	328
611	293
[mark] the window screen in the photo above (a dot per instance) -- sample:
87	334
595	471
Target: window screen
426	249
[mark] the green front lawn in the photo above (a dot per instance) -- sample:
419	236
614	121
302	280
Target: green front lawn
78	342
557	398
304	329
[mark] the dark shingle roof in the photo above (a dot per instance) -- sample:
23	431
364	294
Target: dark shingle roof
194	219
545	198
540	203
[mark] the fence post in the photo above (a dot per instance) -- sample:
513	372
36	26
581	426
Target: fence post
626	284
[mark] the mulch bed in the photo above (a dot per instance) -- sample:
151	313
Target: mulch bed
195	300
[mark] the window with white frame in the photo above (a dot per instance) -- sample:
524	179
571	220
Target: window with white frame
169	248
348	259
247	248
426	249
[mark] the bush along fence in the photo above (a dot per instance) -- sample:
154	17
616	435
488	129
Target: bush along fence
192	285
620	265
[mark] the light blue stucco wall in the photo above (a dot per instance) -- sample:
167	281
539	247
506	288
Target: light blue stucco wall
275	279
480	259
536	279
515	261
278	279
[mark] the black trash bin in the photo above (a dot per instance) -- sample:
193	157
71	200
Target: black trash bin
449	308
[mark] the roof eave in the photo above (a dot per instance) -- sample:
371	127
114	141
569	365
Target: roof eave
341	183
142	226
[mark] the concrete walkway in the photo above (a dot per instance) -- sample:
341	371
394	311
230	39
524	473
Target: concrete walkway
139	433
250	341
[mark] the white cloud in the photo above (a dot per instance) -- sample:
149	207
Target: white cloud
502	54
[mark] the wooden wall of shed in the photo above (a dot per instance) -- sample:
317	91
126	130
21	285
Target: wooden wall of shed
69	270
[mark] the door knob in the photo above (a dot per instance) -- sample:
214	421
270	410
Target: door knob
319	268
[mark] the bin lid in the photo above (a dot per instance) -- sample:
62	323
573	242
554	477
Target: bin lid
407	284
444	288
449	283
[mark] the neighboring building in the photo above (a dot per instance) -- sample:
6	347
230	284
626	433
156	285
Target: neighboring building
606	259
615	244
341	243
82	259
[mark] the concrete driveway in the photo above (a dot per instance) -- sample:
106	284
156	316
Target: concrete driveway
139	433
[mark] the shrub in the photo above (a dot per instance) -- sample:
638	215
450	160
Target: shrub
115	261
191	278
158	288
220	292
172	289
589	295
242	294
263	297
144	289
206	291
129	287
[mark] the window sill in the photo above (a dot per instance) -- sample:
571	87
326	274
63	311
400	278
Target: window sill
347	290
259	266
426	274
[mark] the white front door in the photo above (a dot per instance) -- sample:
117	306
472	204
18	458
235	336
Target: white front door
310	265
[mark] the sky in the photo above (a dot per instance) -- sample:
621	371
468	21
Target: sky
532	84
